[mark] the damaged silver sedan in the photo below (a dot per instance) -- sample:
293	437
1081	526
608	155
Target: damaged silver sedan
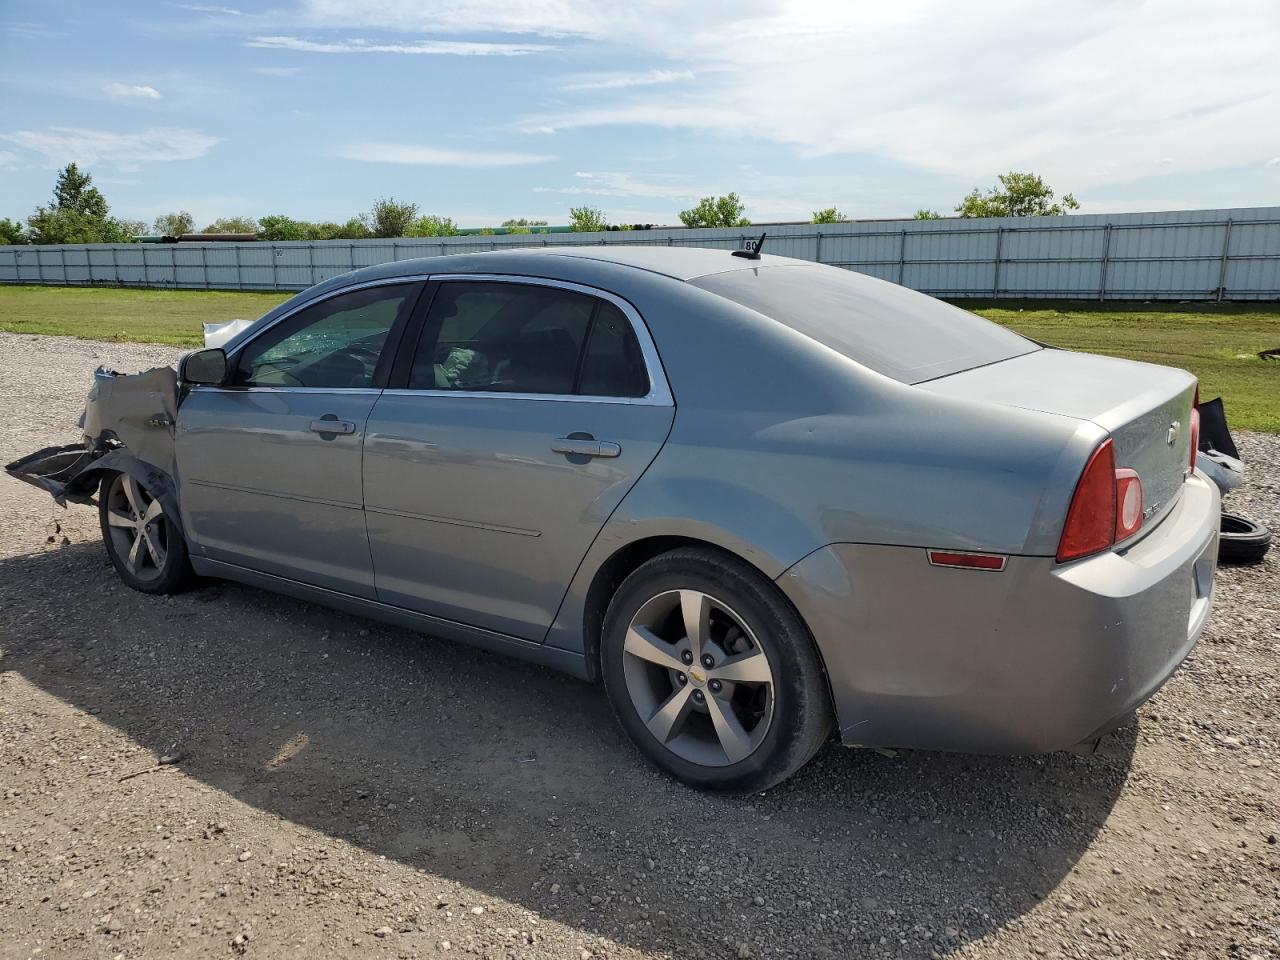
762	500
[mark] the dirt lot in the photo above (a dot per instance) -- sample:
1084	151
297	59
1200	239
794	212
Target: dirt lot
341	789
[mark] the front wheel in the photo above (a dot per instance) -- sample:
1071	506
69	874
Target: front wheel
144	543
712	673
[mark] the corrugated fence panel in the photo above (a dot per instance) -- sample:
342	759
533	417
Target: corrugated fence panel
1184	255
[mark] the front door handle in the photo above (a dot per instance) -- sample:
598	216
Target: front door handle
331	424
586	446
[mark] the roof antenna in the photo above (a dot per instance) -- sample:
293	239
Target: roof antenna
754	252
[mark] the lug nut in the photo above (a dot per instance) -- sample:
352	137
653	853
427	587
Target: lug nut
697	695
687	656
682	679
715	686
708	661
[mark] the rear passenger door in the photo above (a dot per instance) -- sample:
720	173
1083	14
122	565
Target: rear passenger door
509	433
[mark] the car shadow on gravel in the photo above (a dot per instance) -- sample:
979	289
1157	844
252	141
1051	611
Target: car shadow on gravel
516	781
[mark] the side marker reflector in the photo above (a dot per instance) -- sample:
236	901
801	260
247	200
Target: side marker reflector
992	562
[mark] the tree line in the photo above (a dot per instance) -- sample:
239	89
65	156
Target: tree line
79	213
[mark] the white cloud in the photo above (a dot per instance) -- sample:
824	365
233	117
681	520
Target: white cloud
618	81
430	47
1085	93
403	153
276	71
8	159
615	184
129	91
1273	162
213	10
125	151
1165	162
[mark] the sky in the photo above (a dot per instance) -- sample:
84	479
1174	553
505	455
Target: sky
483	110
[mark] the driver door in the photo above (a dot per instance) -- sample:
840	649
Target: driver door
270	464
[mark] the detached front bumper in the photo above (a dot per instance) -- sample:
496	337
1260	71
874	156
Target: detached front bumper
55	470
1041	656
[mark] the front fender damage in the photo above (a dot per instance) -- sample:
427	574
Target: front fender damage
129	423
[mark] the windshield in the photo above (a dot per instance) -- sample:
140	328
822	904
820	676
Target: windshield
898	332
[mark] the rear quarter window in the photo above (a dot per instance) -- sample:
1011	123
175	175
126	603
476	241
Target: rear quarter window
898	332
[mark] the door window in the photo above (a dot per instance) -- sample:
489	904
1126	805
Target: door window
336	343
522	338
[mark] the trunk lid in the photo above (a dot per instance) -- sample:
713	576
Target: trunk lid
1146	408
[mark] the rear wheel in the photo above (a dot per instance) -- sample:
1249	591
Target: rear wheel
144	543
712	672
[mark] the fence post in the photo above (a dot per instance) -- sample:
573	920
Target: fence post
311	264
173	263
115	266
146	274
995	274
275	282
88	263
1226	255
902	255
239	275
1106	262
817	252
204	265
39	267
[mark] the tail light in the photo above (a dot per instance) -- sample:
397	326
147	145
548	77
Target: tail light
1106	507
1195	427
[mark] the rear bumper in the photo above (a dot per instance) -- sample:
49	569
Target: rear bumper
1041	656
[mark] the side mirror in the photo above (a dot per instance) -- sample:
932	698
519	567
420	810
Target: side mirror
207	367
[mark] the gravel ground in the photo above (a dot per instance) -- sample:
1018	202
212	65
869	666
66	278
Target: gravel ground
230	772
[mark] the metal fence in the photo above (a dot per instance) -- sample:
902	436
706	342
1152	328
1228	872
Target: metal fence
1179	255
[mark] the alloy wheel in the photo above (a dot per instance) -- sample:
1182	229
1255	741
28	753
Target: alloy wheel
139	529
698	677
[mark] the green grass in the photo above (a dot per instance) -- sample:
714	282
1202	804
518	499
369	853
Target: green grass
142	316
1218	343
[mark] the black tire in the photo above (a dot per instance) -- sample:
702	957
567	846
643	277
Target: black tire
801	716
1241	540
171	575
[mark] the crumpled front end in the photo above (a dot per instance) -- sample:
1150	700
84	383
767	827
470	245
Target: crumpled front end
128	425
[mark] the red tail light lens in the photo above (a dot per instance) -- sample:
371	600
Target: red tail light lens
1195	427
1091	518
1128	503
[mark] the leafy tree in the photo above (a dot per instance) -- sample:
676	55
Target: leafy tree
356	228
829	215
391	217
723	211
923	214
77	214
587	220
325	230
430	225
75	192
279	227
11	232
175	224
232	225
1019	195
522	224
132	228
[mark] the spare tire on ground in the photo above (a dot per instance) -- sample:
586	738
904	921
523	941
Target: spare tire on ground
1241	540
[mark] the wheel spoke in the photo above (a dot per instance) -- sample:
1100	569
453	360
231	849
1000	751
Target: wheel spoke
733	738
133	494
750	667
669	718
134	559
696	610
118	518
157	555
641	642
154	510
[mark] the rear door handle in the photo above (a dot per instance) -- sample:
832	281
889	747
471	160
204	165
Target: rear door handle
585	447
331	424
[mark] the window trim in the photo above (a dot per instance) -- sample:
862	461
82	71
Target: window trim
402	323
659	389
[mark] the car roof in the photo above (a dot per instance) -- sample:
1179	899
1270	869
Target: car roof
679	263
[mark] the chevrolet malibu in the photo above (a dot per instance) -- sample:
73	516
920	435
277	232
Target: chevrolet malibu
762	500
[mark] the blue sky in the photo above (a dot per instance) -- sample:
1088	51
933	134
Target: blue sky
488	109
